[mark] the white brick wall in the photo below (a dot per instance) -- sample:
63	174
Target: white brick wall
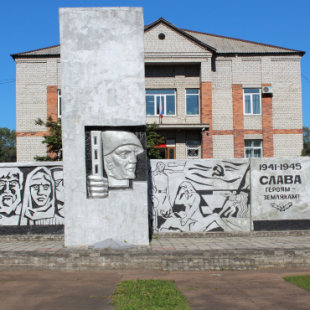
222	101
284	74
246	70
287	145
29	147
223	146
32	78
253	122
30	94
174	44
58	73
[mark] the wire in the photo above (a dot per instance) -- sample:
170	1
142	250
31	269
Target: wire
8	82
305	78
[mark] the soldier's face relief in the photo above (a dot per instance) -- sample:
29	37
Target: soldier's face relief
10	195
122	162
40	189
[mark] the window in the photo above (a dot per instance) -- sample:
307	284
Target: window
252	101
167	149
253	148
192	102
59	103
155	98
193	149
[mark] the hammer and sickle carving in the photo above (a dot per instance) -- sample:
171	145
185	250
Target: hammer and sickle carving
218	171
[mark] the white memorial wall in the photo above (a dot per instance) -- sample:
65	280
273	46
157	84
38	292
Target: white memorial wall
183	195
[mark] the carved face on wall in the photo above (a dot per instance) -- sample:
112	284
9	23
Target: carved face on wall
59	184
120	156
10	189
39	201
123	162
40	189
160	166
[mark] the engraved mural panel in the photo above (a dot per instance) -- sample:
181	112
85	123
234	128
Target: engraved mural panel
200	195
31	196
280	189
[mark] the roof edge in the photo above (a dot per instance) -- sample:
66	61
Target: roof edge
22	55
162	20
246	41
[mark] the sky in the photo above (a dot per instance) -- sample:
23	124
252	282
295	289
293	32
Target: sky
33	24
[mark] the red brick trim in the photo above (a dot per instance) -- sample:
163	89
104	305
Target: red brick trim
245	132
52	107
31	133
52	102
253	131
237	94
239	143
222	132
267	124
206	118
259	131
287	131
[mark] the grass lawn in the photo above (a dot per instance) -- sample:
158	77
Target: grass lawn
301	281
148	294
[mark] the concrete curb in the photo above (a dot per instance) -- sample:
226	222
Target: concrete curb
147	258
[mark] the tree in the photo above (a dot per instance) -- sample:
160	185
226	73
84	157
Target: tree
7	145
153	138
306	149
52	140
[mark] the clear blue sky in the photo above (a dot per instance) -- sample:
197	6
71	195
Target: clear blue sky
33	24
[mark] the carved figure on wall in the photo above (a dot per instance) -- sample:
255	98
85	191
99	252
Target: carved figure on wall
11	185
200	195
39	199
236	204
192	217
160	183
120	150
57	174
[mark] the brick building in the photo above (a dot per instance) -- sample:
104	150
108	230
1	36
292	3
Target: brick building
220	97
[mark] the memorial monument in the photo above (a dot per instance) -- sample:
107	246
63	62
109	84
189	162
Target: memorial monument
103	125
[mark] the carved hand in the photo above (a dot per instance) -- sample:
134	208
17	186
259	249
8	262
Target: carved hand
97	186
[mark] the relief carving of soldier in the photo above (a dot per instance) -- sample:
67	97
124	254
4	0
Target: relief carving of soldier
120	150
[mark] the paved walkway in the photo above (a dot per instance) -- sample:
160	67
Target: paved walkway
232	243
205	290
177	244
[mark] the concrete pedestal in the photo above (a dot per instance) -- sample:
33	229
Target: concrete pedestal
102	59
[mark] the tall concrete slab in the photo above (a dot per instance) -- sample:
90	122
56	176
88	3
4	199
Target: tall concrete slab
102	59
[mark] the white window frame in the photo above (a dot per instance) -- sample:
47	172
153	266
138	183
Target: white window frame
195	145
186	101
252	148
59	103
165	100
251	94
